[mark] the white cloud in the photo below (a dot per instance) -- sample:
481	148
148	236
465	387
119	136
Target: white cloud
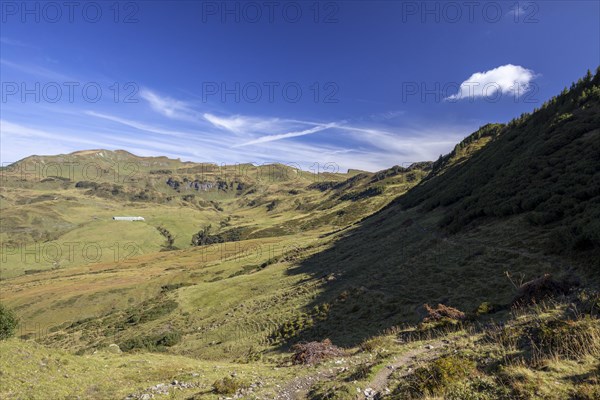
168	106
37	71
272	138
174	128
506	79
19	141
235	124
384	116
135	124
12	42
240	124
367	148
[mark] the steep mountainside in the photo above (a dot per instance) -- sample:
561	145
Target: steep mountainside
545	166
526	202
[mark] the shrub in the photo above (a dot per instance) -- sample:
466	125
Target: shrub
442	312
173	286
477	388
144	315
439	321
360	372
315	352
369	192
588	302
540	289
8	322
296	325
523	382
485	308
331	391
434	379
570	339
152	342
539	340
170	245
376	343
586	391
229	385
272	205
204	237
86	185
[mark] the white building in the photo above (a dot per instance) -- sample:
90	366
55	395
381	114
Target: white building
128	218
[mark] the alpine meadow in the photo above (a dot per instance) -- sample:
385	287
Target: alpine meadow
246	200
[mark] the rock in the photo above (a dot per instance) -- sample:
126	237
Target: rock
114	348
160	389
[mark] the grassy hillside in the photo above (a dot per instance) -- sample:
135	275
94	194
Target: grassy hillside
544	166
57	210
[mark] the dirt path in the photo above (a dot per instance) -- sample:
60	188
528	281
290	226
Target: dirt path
298	388
427	352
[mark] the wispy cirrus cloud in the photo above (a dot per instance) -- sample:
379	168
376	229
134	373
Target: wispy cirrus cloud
13	42
168	106
387	115
37	71
247	125
164	125
506	79
288	135
12	130
235	124
20	140
135	124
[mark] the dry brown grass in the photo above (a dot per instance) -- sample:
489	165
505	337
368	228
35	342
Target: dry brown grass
314	352
541	288
442	312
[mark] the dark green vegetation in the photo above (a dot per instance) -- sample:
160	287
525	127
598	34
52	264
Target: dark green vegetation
544	165
229	385
472	277
546	351
8	322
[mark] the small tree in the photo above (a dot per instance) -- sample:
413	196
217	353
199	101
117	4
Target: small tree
202	237
8	322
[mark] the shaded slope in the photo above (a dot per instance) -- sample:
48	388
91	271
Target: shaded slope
477	217
546	165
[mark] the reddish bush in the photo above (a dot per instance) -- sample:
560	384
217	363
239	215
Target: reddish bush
314	352
442	312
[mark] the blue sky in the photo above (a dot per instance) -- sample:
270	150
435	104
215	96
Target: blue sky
362	84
